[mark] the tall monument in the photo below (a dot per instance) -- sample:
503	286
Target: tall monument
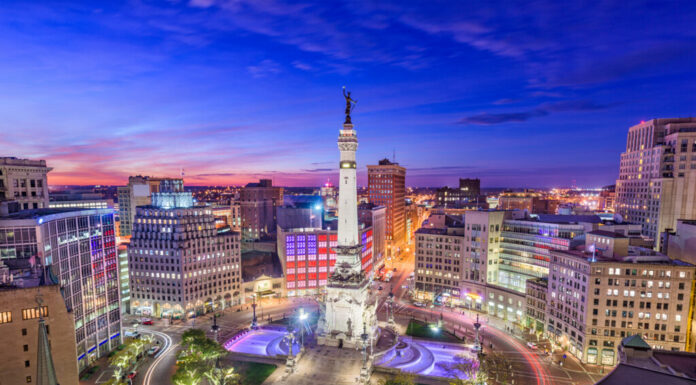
349	309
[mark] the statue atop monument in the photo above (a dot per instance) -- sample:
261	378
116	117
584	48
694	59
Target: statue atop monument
350	104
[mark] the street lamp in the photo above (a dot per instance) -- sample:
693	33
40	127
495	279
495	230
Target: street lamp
390	307
215	328
254	321
477	341
303	316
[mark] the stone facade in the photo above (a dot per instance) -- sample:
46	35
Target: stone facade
19	316
24	181
179	263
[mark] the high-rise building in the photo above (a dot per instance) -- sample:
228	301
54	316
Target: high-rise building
387	187
601	295
375	216
258	203
138	192
469	190
179	263
20	335
681	244
350	309
78	249
526	244
606	198
657	175
24	181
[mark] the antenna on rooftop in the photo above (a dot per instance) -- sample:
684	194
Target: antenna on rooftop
393	155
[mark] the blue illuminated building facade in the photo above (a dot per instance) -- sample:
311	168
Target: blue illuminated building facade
78	250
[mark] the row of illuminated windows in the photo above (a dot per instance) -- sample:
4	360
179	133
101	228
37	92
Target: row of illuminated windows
27	314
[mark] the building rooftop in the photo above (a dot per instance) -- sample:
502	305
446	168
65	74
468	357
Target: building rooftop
555	218
544	281
626	374
635	342
45	212
652	259
642	365
432	230
13	161
608	234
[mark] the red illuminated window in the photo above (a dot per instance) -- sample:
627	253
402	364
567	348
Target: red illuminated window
290	277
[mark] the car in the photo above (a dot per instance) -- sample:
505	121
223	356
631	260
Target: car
532	345
132	374
418	304
380	288
147	321
153	350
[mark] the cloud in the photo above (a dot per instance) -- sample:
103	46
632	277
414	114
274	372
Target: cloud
505	117
264	69
302	66
202	3
543	110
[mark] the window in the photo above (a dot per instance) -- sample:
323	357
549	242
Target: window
26	348
34	313
28	379
5	317
24	332
26	364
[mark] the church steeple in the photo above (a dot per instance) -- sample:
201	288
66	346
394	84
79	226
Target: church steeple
45	371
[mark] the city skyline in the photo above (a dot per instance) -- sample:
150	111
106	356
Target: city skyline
533	96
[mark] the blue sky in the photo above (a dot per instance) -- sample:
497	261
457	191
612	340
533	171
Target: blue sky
517	93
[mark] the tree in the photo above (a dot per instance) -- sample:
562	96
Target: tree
496	366
186	376
198	358
464	371
221	376
400	379
120	361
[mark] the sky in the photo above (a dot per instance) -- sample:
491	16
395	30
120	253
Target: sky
517	93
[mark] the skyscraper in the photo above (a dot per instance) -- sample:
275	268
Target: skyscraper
657	175
24	181
350	311
387	187
138	192
178	262
78	249
469	191
258	203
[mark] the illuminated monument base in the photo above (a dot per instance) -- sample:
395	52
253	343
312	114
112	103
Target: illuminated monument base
349	313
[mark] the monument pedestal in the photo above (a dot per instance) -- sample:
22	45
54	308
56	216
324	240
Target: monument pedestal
349	311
